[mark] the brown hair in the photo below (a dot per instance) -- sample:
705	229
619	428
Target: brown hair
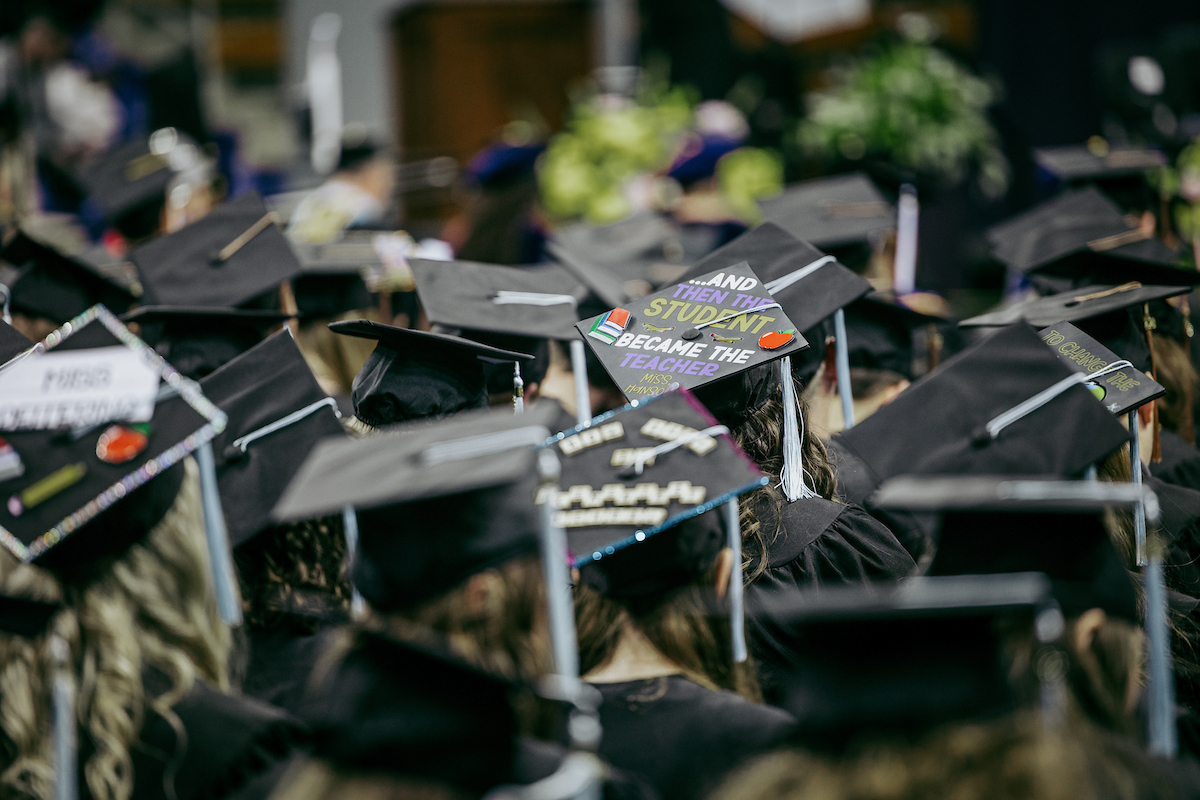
1015	758
760	435
688	631
293	576
1175	371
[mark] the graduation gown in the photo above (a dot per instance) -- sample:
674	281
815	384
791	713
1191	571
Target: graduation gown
818	542
280	665
681	737
1180	465
232	747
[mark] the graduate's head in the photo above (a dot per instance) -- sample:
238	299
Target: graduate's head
151	607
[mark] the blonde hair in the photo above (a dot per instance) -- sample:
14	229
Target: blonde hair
1014	758
152	608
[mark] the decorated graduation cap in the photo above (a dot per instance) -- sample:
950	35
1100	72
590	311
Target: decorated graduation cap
879	333
637	496
96	426
832	212
139	174
436	503
1003	523
1114	380
276	414
899	660
1081	234
234	257
199	339
56	286
1005	405
414	374
416	712
12	343
705	330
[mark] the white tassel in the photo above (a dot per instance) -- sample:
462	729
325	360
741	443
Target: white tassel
793	473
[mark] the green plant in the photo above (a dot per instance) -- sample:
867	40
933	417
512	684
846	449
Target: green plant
911	105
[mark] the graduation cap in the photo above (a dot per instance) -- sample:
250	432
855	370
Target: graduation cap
642	469
414	374
645	247
276	414
1076	305
879	333
1113	380
97	454
1004	405
832	212
12	343
1000	523
901	659
56	286
232	257
331	275
139	173
463	488
199	339
1075	164
1081	234
416	712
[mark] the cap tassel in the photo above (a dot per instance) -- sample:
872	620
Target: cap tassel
1150	324
229	600
66	759
518	389
793	473
737	617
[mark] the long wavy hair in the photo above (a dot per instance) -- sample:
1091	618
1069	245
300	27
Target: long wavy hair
151	609
760	435
685	625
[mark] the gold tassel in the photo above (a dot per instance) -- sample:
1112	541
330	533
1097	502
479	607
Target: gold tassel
1149	324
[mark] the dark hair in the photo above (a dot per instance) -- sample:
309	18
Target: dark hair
866	382
683	624
1173	368
293	577
760	435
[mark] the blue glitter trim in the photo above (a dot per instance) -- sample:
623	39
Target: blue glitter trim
188	389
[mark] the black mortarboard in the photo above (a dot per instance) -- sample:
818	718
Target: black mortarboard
900	659
12	343
232	257
56	286
1076	305
75	509
831	212
276	414
197	339
613	514
604	287
437	502
646	247
693	333
999	523
1075	164
948	421
1120	390
879	334
410	711
413	375
138	173
331	275
20	616
534	303
1082	235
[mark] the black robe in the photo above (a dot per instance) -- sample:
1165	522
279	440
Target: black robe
280	665
231	747
681	737
819	542
1180	465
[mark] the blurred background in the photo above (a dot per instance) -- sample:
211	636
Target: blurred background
504	120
